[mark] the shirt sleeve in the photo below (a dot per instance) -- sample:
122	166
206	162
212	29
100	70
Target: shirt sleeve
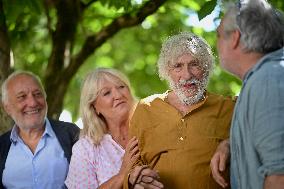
82	172
134	131
136	123
266	115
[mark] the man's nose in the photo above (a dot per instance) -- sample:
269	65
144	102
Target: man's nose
187	74
31	100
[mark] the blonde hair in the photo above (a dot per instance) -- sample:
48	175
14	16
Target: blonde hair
94	125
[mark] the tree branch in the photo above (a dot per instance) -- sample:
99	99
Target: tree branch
68	14
84	6
57	76
46	11
124	21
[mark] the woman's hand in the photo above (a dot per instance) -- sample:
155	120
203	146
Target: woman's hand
131	155
142	177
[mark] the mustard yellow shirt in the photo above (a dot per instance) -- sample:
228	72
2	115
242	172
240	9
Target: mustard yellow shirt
181	147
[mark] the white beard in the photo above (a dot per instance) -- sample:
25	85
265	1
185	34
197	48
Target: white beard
177	89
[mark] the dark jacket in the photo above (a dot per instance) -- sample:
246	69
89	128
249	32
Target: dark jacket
66	133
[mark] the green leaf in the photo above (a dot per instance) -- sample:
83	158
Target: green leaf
206	9
34	5
126	4
194	5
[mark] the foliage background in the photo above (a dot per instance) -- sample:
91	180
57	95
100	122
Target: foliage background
133	50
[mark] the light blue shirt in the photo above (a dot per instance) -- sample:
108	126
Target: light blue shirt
45	169
257	131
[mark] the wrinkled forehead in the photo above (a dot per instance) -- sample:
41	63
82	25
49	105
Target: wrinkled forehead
180	57
185	58
23	82
191	46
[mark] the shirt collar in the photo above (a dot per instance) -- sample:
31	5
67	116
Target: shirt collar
48	129
193	106
14	137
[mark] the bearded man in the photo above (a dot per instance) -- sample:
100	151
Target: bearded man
178	131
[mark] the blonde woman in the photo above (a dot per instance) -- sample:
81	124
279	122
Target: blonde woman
104	153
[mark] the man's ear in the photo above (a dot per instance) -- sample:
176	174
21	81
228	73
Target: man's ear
6	108
235	37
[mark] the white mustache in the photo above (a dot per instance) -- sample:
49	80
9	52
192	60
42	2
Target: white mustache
191	81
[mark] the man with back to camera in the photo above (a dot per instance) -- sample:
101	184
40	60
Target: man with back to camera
37	151
250	45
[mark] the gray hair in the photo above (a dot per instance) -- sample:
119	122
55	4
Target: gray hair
15	74
184	43
94	125
261	26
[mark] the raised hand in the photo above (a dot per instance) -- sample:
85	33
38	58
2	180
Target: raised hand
131	155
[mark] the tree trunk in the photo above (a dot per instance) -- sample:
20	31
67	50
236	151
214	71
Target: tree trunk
5	120
68	13
58	76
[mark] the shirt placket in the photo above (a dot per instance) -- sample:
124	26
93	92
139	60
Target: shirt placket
182	127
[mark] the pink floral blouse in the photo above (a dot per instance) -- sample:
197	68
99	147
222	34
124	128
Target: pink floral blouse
92	165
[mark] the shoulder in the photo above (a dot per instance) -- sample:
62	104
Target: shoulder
154	99
5	139
267	79
149	110
64	126
222	106
220	99
86	147
269	68
65	131
5	136
62	123
83	144
5	144
149	104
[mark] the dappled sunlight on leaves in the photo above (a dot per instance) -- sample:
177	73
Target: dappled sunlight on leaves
134	50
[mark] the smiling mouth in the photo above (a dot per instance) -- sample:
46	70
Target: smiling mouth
32	112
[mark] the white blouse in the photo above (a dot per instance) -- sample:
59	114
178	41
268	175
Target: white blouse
91	165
